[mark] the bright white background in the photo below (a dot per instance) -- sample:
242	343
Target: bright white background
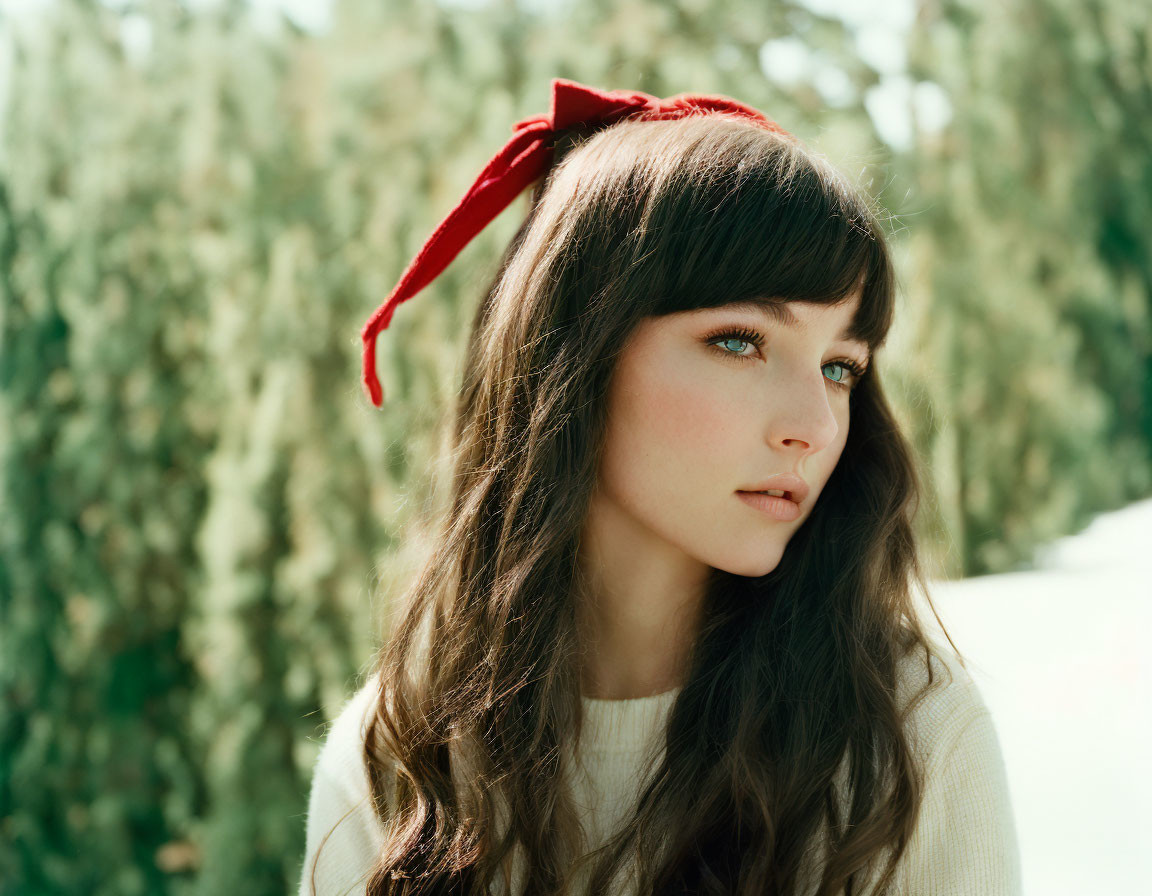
1061	656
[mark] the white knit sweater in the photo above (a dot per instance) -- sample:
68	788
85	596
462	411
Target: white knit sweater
965	841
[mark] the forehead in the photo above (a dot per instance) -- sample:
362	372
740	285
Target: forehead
779	312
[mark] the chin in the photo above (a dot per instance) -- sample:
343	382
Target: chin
754	567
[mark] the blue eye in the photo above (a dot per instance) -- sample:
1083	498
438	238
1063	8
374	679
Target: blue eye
751	337
848	380
842	366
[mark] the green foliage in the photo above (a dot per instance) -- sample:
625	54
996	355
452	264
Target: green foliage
1033	267
199	508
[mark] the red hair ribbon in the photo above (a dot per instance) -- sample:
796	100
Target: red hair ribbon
525	159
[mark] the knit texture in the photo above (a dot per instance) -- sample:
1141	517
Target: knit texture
965	841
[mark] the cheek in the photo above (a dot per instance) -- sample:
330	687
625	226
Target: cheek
668	432
826	460
844	417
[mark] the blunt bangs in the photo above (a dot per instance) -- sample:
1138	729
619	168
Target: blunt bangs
730	212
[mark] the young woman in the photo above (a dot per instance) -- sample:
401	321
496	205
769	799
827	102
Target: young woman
623	670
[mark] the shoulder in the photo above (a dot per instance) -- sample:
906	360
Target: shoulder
344	833
341	758
964	841
939	697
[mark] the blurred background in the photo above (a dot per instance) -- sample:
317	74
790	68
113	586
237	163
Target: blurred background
202	517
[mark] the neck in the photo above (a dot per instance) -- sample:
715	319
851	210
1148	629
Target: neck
638	613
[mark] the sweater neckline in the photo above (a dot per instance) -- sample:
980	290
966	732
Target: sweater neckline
627	725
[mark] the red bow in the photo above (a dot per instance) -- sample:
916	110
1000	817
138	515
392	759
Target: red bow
525	159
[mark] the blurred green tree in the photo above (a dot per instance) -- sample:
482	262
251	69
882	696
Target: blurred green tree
1031	267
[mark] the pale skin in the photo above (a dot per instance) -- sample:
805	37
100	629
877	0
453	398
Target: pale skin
690	424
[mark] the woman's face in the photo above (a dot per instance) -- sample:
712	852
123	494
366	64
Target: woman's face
697	412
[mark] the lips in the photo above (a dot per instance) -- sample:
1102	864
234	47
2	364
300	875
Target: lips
795	489
774	507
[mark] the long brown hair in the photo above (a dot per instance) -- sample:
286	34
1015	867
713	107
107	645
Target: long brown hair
792	677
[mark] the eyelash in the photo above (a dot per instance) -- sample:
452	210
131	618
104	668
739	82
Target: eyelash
754	337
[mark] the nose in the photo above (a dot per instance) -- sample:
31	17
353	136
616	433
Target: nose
803	420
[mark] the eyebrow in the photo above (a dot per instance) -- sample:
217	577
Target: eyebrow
780	313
